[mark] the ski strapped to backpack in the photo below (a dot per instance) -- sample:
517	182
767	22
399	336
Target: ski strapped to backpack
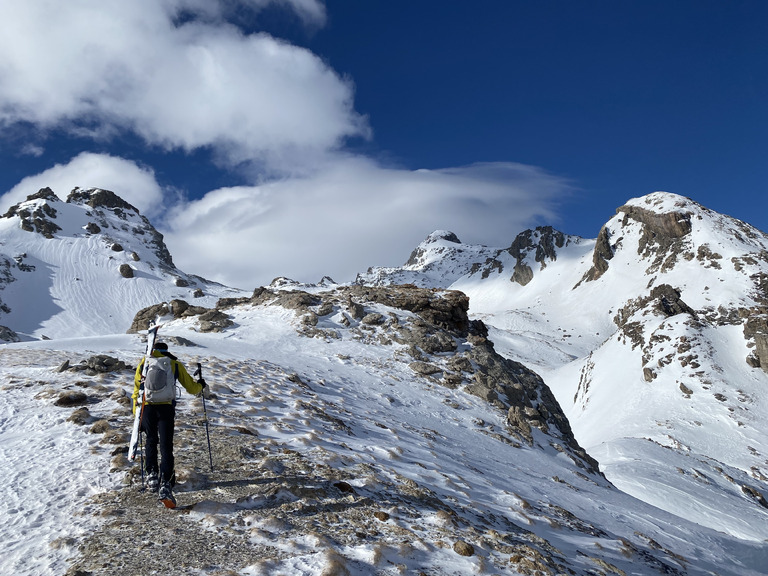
133	447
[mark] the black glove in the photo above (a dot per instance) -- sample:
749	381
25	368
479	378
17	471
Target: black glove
202	383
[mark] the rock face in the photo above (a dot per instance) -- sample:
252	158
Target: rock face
38	218
541	243
529	253
600	256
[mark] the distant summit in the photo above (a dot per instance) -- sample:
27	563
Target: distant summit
84	266
442	259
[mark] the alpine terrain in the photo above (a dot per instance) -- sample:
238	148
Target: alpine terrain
561	406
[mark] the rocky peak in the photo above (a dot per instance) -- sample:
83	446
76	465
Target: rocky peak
666	223
418	255
106	205
541	242
538	245
36	213
99	198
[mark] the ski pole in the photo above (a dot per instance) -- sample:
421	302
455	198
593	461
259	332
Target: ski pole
199	372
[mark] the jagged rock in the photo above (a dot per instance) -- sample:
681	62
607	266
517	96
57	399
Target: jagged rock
100	364
8	335
37	219
146	317
659	228
538	245
669	302
71	398
757	496
214	321
463	548
543	242
126	271
100	199
211	320
756	329
600	256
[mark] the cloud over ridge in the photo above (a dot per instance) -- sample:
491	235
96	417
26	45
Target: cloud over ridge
181	76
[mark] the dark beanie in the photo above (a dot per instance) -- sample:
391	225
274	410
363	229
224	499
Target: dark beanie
161	346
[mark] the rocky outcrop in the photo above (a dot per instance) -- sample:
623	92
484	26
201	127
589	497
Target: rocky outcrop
542	243
539	245
210	320
99	198
40	217
756	332
438	341
663	236
602	253
8	335
429	330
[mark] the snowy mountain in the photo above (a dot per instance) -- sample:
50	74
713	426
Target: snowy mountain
652	338
431	419
85	266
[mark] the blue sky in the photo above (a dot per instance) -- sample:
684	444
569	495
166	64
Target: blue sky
302	138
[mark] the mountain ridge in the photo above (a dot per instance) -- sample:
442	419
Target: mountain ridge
671	298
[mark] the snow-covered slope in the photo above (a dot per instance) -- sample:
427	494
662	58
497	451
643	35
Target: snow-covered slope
651	336
63	266
331	456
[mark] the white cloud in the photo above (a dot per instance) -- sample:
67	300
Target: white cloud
95	67
178	75
352	215
135	184
32	150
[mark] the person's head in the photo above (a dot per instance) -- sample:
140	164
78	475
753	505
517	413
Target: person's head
161	346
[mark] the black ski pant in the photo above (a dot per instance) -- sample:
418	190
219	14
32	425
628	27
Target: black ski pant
157	421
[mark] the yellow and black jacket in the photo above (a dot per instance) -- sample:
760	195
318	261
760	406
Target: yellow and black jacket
182	376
